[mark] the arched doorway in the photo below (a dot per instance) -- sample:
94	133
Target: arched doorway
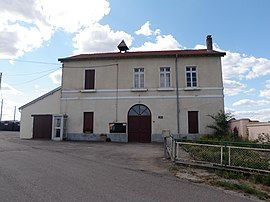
139	124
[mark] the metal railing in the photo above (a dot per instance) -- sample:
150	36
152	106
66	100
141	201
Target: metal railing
248	158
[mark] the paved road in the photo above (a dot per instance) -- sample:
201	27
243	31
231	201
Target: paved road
33	170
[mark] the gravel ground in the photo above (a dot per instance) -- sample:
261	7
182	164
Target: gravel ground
33	170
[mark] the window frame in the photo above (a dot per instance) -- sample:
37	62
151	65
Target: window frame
139	73
170	84
84	77
191	77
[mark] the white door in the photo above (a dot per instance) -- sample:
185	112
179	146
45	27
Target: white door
57	130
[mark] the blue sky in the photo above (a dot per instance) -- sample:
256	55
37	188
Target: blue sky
46	30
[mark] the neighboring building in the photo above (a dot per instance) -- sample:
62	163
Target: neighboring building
249	130
256	130
239	127
132	96
37	115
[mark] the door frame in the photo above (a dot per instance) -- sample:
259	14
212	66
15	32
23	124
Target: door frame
150	120
199	123
33	123
54	128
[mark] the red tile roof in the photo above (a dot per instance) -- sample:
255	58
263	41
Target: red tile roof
165	53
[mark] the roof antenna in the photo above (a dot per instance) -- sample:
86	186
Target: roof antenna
122	46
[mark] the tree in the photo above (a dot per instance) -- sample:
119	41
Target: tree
221	123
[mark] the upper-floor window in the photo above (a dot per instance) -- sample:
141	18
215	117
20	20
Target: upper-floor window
89	82
165	77
139	78
191	76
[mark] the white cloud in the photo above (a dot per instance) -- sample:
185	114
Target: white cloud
251	103
162	42
266	91
56	77
250	91
99	38
8	110
229	110
145	30
9	95
27	24
232	87
74	15
157	32
15	39
260	115
239	65
40	90
9	90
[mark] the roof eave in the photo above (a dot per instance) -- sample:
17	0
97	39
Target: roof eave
215	54
40	98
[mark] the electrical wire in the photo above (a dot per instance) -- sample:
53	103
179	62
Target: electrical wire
26	74
32	61
16	84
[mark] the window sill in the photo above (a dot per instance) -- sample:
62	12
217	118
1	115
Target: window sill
165	89
192	89
88	91
139	89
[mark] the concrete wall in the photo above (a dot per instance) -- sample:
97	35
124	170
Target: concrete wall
209	72
241	126
255	129
207	98
47	105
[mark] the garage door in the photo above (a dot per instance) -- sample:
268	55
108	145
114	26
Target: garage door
42	127
139	124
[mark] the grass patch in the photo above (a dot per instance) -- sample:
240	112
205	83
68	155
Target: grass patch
239	157
173	168
242	187
254	177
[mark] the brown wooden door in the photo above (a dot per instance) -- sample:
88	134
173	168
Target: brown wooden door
42	127
88	122
139	124
193	122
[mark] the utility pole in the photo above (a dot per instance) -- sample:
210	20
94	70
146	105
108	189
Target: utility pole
2	102
1	96
14	114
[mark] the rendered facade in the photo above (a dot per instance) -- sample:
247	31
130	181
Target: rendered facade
133	96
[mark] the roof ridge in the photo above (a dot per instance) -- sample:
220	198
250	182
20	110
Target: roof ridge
180	52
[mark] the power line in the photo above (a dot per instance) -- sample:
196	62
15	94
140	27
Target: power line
16	84
26	74
32	61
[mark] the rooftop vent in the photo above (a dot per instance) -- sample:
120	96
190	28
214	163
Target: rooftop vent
123	46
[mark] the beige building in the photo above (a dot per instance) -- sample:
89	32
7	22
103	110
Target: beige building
249	130
133	96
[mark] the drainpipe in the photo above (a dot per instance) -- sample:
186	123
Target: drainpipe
177	95
117	93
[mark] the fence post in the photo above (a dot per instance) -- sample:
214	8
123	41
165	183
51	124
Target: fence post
221	155
175	150
229	153
165	147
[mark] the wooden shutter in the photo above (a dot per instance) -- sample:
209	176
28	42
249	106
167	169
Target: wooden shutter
193	123
88	122
89	79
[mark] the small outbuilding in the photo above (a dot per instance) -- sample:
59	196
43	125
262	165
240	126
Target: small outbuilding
37	117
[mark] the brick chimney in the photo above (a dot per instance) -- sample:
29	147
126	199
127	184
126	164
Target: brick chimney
209	43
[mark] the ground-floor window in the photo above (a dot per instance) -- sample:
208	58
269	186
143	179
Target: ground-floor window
193	122
88	122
